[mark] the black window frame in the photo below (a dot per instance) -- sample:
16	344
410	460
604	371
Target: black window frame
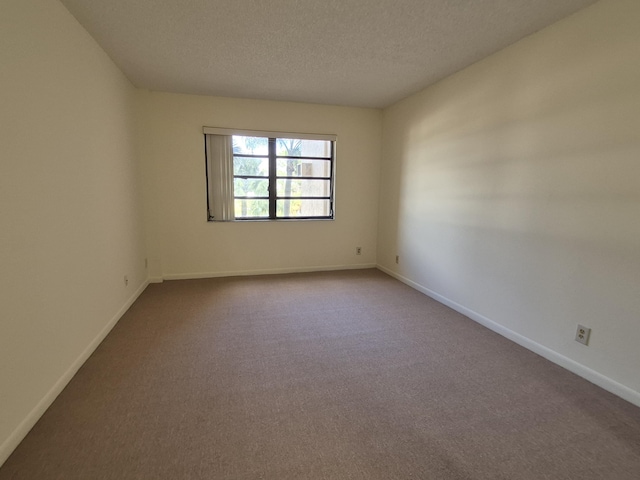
272	177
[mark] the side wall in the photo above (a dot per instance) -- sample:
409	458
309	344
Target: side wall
512	192
70	216
182	244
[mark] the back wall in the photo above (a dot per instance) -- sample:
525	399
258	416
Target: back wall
182	244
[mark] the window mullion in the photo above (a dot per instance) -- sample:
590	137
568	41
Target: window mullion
272	178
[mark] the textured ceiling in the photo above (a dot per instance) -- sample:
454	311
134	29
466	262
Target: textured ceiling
368	53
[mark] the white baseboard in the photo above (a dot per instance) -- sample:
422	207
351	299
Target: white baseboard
579	369
270	271
10	444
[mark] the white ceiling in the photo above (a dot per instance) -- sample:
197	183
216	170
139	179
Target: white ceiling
368	53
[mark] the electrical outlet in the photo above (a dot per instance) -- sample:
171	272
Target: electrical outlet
126	280
583	334
397	258
358	250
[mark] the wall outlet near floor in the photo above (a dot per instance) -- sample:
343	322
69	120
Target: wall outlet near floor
358	250
582	335
126	280
397	258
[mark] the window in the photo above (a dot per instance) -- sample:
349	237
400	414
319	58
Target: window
269	175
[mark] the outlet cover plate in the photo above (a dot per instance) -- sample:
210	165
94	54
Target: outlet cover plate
582	335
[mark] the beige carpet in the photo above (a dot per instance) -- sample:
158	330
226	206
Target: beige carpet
334	375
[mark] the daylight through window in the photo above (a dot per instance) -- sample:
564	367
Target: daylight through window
269	175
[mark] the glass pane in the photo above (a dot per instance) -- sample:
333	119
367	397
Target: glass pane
303	208
251	208
250	145
293	187
250	187
250	166
295	147
294	167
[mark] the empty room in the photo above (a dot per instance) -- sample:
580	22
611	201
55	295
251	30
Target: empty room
304	239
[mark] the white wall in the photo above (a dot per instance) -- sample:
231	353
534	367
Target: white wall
512	191
70	216
181	243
